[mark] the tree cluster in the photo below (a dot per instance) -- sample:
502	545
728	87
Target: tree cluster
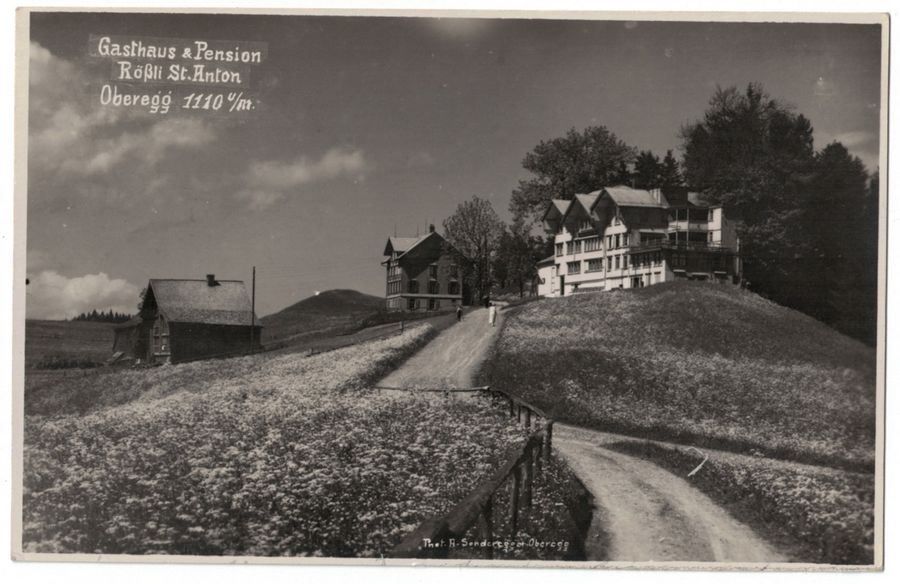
103	316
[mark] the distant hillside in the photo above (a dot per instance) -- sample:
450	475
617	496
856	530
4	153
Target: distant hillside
329	312
698	363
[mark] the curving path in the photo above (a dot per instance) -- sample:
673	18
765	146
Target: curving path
649	514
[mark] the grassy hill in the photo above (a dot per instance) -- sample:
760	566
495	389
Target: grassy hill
54	344
328	313
701	364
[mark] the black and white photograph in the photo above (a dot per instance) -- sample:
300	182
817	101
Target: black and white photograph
492	289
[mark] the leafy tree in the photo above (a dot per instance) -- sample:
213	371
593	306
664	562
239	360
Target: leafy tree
647	171
474	230
579	162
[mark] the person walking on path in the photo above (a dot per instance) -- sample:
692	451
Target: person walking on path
492	314
458	313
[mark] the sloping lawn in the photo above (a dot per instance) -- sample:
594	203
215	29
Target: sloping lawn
262	455
697	363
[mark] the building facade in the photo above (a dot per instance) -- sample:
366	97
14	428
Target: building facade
187	320
422	273
619	237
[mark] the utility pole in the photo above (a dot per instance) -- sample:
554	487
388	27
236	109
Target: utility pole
252	308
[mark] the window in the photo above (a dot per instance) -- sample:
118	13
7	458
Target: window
618	261
453	272
432	271
710	216
592	244
434	287
559	249
609	242
586	225
453	288
679	260
574	267
709	237
161	337
624	261
412	287
625	240
609	263
433	304
575	247
595	265
412	304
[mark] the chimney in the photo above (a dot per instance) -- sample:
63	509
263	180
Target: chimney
431	228
211	280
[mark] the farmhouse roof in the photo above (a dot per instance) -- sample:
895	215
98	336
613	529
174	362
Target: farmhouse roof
196	301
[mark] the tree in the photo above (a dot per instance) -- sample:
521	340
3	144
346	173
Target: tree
474	230
670	174
579	162
518	252
647	171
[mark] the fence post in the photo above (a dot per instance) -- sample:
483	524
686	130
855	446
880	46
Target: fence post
528	418
528	477
538	458
512	407
514	501
548	441
487	515
519	413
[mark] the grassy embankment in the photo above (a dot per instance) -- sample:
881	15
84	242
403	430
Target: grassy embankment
261	455
719	368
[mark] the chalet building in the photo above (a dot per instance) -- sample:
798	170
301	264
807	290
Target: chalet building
423	273
186	320
619	237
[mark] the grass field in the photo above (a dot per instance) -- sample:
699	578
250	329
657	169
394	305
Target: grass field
707	365
60	344
262	455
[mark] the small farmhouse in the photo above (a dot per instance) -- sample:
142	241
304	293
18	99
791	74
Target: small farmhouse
423	273
186	320
620	237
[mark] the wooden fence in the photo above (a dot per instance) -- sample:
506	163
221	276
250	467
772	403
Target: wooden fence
521	464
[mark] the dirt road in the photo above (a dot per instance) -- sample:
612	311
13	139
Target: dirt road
649	514
452	358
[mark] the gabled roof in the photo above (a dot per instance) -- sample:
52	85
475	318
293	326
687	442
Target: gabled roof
559	206
400	244
195	301
587	201
625	196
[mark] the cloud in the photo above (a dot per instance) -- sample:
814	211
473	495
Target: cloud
268	182
72	135
51	295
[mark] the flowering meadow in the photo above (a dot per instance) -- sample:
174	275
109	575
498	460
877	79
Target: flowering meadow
698	363
816	514
263	455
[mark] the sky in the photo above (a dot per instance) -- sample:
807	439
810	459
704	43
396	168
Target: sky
366	127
